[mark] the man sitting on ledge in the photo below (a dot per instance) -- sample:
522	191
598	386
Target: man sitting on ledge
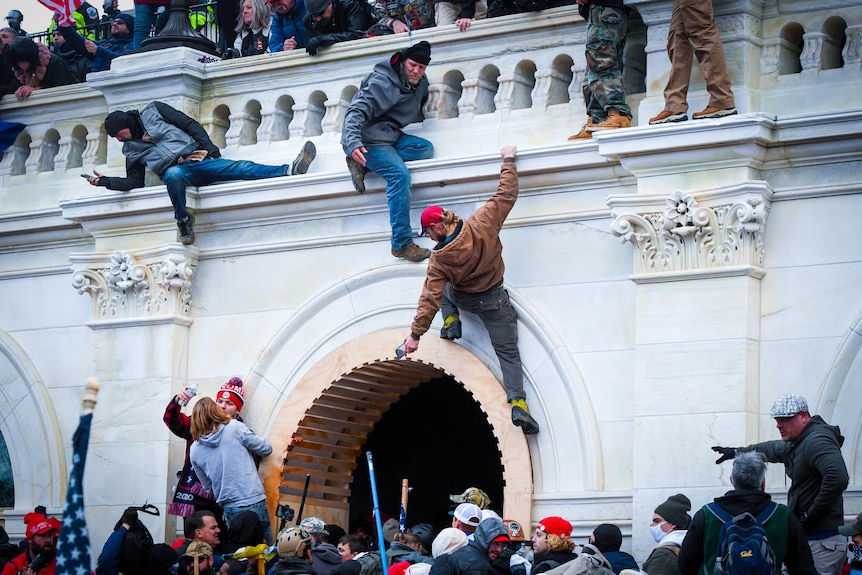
179	151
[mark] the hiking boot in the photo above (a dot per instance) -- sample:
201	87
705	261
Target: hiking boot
584	134
710	113
668	117
357	174
522	418
412	253
451	327
614	121
187	232
303	159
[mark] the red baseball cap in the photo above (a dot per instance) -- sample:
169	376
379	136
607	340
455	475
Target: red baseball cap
430	216
37	524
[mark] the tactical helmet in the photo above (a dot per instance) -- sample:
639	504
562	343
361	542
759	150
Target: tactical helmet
293	541
425	533
14	17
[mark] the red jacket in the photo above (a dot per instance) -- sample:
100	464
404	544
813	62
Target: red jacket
23	561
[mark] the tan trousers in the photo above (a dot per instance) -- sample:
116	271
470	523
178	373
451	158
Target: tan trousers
448	12
693	32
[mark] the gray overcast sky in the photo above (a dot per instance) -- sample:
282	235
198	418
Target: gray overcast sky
37	17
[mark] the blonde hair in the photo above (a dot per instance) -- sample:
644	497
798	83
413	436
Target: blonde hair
557	543
206	417
409	539
261	17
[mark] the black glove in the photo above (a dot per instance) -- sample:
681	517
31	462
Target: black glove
130	516
726	453
312	46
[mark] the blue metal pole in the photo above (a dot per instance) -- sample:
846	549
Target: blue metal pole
381	543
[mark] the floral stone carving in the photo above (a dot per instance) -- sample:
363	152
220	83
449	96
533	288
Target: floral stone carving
688	236
127	289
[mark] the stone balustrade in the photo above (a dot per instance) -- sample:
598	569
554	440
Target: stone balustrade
517	74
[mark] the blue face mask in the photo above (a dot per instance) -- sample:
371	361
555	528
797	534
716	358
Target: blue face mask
856	550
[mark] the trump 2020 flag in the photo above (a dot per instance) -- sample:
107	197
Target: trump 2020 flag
73	545
64	8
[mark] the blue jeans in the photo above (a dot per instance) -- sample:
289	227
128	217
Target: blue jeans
210	170
145	17
258	509
388	163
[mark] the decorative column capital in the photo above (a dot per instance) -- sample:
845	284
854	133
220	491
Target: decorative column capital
687	238
141	288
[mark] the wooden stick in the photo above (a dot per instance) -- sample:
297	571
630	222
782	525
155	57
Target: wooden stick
88	401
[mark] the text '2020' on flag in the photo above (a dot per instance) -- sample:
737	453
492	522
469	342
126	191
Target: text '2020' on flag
73	545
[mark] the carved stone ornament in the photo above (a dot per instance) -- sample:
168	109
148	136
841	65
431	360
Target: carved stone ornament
129	291
689	237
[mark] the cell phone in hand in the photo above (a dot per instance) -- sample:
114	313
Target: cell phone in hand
87	176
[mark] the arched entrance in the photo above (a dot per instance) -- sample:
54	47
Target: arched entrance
327	418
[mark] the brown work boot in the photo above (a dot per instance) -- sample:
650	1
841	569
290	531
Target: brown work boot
711	113
614	120
584	134
668	117
412	253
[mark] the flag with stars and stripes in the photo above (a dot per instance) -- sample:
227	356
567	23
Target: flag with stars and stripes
64	8
73	545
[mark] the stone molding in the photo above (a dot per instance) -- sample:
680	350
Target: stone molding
137	288
689	236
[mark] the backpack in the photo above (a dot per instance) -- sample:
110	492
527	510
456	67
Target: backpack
743	546
589	562
370	563
135	549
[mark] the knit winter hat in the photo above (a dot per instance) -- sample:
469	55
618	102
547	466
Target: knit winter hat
232	390
315	7
675	510
128	19
116	121
390	528
607	537
555	526
419	52
448	541
160	557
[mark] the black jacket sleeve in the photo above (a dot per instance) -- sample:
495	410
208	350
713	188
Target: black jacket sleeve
134	178
189	126
354	19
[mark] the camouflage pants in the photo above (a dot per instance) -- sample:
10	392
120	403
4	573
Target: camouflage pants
603	82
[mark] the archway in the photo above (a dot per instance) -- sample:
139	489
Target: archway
327	418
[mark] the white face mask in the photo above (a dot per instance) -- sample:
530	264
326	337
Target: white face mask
657	533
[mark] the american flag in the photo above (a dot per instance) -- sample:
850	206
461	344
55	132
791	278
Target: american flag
64	7
402	519
73	546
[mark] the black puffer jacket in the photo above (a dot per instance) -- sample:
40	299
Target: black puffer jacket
817	472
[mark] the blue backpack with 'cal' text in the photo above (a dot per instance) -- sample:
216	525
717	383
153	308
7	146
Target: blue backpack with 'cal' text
743	545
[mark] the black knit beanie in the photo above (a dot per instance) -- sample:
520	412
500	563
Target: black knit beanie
608	537
675	510
419	52
116	121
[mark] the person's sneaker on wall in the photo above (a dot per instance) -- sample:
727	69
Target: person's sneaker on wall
668	117
303	159
187	232
357	174
711	113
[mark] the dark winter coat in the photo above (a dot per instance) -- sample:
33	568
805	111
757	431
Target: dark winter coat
385	103
547	561
138	152
472	559
400	552
292	566
325	558
350	20
817	472
620	560
793	550
107	49
46	69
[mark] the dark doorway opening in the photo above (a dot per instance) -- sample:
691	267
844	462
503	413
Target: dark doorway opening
438	438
